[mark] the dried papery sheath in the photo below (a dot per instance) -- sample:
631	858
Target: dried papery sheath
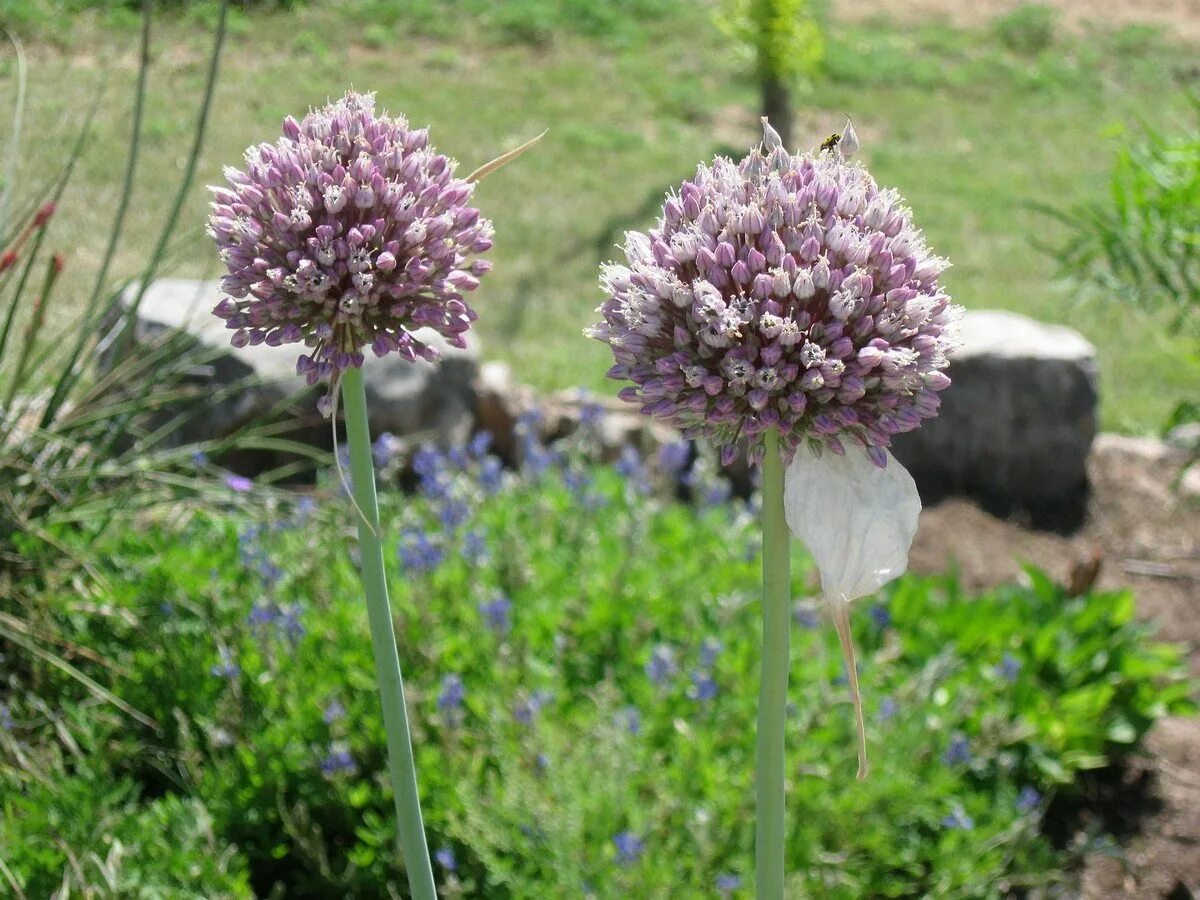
784	292
349	232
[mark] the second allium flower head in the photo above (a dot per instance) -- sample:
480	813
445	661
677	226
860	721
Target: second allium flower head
348	232
786	292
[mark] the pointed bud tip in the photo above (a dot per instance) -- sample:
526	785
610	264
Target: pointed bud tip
771	138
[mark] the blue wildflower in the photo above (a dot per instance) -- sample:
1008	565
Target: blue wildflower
880	615
450	699
525	711
289	623
238	483
445	859
497	614
629	719
457	456
338	761
270	573
384	449
167	609
958	753
6	719
199	459
1009	668
704	686
806	615
418	552
474	548
888	709
629	466
629	847
480	443
727	883
660	668
1028	800
452	513
491	475
227	667
576	481
591	413
958	820
262	615
709	651
334	712
674	456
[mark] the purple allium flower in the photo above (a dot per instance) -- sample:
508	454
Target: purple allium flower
629	847
958	820
239	483
727	883
959	751
338	761
660	667
786	292
445	859
348	232
497	614
1009	668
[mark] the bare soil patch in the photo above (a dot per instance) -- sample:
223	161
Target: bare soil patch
1147	537
1178	18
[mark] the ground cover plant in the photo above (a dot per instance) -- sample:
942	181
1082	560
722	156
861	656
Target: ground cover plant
976	127
581	730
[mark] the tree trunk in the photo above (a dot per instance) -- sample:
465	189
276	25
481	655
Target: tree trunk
777	107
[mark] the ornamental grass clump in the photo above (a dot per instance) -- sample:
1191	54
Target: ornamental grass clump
351	231
787	308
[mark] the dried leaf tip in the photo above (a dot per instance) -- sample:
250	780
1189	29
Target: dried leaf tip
503	159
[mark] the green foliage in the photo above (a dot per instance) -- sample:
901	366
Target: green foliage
237	636
1142	245
784	36
1027	29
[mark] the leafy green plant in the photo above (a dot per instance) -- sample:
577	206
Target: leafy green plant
582	729
1027	29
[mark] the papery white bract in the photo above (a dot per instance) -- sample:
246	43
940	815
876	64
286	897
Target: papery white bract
858	521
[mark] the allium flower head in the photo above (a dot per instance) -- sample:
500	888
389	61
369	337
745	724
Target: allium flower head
348	232
787	292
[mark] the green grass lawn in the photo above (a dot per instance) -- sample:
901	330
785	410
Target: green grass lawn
972	131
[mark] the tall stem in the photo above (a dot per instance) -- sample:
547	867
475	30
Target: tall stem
401	766
772	694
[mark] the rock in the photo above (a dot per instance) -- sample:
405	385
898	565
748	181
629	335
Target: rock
1015	426
1185	437
403	398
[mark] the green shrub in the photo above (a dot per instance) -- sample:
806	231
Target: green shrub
1028	29
616	704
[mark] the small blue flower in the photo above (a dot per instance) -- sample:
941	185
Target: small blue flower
629	463
418	552
1009	668
576	481
629	847
227	667
629	719
806	615
888	709
727	883
704	687
338	761
497	614
6	719
167	609
474	548
660	668
199	459
452	513
384	449
958	753
958	820
262	615
709	651
289	624
238	483
480	443
334	712
1028	800
445	859
880	615
491	475
450	699
525	711
458	457
674	456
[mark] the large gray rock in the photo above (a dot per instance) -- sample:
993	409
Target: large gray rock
433	399
1016	424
